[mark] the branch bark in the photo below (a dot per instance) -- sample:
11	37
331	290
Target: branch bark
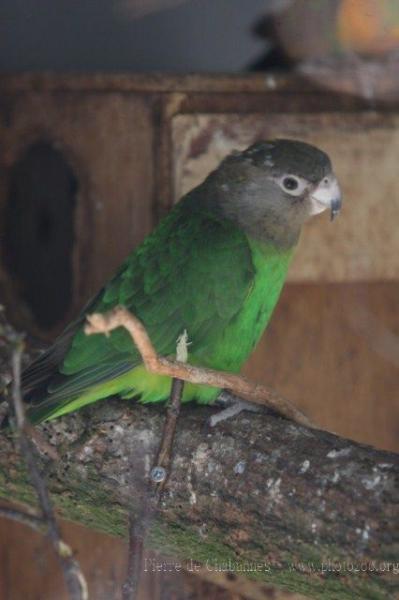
274	500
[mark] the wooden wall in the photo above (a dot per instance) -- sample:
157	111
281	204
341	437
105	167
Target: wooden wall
330	344
29	570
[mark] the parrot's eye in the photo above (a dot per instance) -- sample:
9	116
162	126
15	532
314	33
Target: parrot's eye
292	184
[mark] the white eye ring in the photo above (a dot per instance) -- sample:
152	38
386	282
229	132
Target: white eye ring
291	184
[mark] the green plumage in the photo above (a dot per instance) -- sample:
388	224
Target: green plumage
197	271
193	272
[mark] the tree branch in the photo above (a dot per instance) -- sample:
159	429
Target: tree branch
74	579
259	495
239	385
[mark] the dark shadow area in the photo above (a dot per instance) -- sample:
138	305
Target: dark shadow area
39	232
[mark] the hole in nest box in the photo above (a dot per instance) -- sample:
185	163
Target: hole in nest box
39	232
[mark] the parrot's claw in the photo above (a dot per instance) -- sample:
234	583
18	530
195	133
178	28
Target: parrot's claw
233	407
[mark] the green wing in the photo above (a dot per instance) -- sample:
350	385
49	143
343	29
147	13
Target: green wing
193	272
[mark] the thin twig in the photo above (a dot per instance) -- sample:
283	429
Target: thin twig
74	579
16	360
32	521
3	410
139	525
164	457
254	392
168	434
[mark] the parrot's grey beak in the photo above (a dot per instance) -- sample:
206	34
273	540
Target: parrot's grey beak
326	195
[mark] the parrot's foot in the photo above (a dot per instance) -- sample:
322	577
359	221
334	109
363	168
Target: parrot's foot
234	406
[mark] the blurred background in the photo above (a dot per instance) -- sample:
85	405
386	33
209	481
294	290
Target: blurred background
111	110
183	36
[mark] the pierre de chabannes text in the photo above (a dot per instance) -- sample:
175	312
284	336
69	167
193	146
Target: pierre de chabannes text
154	565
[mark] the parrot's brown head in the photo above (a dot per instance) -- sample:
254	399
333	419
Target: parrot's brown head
271	188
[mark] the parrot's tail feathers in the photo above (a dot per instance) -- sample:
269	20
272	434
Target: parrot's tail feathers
49	409
43	368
